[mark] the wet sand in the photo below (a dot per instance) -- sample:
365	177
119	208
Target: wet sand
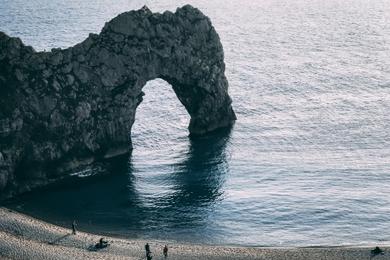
23	237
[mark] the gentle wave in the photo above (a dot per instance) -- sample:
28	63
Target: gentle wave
307	162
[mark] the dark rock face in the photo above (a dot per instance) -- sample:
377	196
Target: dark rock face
63	109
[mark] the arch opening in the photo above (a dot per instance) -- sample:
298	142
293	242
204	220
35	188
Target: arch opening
161	121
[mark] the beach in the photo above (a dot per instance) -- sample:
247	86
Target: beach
23	237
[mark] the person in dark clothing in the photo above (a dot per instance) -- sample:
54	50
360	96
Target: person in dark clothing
376	251
74	227
147	249
165	251
102	243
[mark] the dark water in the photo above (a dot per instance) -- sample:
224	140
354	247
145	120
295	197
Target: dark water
308	161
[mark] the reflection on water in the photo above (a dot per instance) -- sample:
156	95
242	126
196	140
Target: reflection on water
195	186
308	161
118	203
198	179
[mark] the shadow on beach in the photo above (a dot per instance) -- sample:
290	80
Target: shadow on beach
58	240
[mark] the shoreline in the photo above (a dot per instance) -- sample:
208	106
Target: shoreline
24	237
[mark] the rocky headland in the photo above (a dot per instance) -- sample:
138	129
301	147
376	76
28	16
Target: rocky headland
64	109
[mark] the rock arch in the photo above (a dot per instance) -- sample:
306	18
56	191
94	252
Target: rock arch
64	107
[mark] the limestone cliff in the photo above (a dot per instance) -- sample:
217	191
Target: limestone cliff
66	108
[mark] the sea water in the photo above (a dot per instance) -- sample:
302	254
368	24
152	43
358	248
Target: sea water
307	162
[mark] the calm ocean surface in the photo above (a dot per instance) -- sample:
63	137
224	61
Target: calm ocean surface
308	161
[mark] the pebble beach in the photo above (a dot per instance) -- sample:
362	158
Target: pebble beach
23	237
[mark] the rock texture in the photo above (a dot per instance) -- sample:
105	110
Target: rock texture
66	108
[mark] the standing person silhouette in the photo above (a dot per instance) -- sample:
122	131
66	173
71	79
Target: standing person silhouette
165	251
147	249
74	227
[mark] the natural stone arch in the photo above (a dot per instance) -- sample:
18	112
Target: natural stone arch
182	49
64	107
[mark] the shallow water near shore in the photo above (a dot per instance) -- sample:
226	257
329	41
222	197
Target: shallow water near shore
307	162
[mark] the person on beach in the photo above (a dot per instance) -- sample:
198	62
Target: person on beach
147	249
74	227
165	251
102	243
376	251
